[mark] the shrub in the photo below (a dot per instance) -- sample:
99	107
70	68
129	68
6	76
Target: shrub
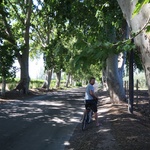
79	84
35	83
11	86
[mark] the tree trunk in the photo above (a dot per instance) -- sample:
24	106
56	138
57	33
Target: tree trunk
58	75
136	23
122	56
3	86
104	79
68	80
71	81
24	58
121	62
24	74
114	81
48	79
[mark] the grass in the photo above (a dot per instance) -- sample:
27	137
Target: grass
11	84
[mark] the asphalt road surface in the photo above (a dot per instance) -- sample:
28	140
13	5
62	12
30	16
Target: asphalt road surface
41	123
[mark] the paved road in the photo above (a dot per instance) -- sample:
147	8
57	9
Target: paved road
42	123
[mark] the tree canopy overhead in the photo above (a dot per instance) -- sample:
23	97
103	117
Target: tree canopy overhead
72	34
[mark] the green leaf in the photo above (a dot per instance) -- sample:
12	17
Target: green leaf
139	5
148	28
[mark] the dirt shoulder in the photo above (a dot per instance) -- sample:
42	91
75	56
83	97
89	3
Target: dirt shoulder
32	93
119	131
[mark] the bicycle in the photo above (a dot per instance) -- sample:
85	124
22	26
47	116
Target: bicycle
87	117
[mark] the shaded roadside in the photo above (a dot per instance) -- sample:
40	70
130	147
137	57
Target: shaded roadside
119	131
30	123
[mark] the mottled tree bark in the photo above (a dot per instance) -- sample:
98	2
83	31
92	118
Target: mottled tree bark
114	81
68	80
58	75
3	86
48	79
136	23
24	57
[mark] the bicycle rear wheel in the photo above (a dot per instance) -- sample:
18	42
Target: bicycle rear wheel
84	122
89	118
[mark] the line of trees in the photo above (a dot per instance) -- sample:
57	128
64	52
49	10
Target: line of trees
82	38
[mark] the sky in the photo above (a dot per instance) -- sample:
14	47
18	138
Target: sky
36	68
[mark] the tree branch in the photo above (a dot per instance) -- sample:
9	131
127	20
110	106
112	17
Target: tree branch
15	9
135	34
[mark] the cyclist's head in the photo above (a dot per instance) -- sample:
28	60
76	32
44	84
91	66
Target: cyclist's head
92	80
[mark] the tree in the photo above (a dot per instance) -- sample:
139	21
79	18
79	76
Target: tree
17	25
23	57
96	41
6	60
137	15
7	49
45	35
91	41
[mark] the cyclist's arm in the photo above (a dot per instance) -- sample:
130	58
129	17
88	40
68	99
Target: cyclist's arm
93	94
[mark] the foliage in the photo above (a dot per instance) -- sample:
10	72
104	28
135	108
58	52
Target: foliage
13	20
36	83
79	84
6	60
90	31
76	43
139	5
7	48
72	41
11	86
11	82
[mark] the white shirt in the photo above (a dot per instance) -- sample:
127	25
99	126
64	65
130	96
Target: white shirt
87	92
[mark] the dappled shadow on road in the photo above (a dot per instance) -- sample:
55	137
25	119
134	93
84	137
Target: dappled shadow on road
56	111
27	109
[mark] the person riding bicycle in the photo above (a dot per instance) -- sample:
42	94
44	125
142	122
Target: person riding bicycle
91	99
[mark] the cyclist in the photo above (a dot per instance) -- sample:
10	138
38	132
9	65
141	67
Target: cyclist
91	99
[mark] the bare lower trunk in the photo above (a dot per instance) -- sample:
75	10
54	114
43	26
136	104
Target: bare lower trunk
3	86
122	55
23	85
114	81
121	62
48	79
68	80
71	81
58	75
104	79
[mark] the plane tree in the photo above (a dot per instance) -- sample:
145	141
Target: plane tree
17	25
137	15
7	56
96	32
7	49
47	38
54	23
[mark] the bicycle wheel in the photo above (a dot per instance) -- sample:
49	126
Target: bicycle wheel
84	122
89	118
